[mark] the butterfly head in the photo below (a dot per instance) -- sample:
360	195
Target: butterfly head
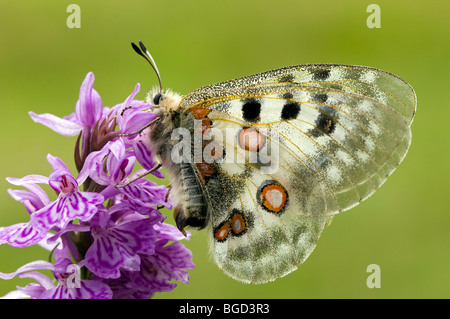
165	100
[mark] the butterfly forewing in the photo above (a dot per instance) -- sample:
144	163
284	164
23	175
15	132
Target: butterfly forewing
332	134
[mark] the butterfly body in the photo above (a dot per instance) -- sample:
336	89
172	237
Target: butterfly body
191	208
263	162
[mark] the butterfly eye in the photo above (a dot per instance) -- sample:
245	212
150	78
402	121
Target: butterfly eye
158	97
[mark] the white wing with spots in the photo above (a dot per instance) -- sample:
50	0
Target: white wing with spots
333	133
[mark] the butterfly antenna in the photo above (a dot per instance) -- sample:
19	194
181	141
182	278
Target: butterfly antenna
143	52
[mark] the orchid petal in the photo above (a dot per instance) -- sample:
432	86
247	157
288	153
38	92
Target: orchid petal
116	247
15	294
21	235
89	289
34	265
43	280
89	106
27	179
81	205
59	125
57	164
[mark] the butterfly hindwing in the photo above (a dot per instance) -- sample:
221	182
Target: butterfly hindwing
296	145
255	242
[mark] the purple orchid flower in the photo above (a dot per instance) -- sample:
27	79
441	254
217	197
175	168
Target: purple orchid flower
44	215
158	270
104	221
119	165
71	203
69	285
23	234
117	245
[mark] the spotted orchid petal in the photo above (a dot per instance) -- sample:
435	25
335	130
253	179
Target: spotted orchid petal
126	240
21	235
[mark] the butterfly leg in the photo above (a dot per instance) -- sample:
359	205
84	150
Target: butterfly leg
157	166
166	198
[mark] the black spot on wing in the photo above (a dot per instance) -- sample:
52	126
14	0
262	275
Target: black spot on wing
325	122
286	78
287	96
320	97
290	111
321	75
251	110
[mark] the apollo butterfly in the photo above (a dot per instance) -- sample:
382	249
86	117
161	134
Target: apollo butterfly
273	156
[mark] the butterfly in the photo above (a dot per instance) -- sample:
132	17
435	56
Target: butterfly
265	161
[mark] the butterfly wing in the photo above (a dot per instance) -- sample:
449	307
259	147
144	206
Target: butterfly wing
297	145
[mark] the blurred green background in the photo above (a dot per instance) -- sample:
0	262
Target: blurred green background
404	227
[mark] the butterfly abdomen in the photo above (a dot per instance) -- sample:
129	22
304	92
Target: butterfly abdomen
192	209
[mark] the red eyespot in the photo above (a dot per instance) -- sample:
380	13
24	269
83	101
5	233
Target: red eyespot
237	224
234	225
199	112
205	170
250	139
221	232
213	152
273	197
206	126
